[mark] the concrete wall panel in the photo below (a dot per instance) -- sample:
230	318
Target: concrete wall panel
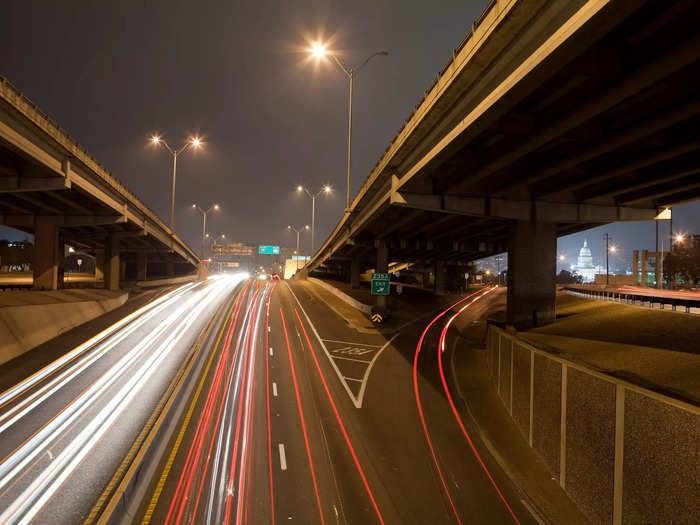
590	444
494	358
661	466
521	388
506	349
546	411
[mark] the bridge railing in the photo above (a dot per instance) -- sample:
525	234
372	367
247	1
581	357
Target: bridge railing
46	123
640	299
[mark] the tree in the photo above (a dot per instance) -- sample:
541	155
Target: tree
684	262
566	277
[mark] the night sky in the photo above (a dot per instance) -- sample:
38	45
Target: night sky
236	73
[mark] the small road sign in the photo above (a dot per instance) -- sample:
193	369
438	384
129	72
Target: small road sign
377	318
380	284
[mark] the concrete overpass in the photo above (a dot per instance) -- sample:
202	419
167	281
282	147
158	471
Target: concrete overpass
549	118
51	187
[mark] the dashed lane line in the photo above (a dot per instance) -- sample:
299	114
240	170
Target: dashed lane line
283	457
274	389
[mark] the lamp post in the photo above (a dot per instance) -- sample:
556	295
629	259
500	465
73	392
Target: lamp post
325	190
292	228
204	224
608	249
320	51
193	142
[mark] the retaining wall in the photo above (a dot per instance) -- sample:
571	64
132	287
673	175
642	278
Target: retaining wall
24	326
623	453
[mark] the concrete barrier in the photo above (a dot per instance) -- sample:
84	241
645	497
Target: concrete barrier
623	453
165	281
365	308
28	319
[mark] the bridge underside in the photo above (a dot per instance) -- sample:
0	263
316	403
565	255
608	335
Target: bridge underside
603	129
61	203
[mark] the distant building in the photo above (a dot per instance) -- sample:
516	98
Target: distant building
584	265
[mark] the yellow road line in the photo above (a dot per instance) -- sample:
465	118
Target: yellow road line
108	492
178	441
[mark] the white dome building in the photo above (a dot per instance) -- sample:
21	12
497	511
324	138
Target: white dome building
584	266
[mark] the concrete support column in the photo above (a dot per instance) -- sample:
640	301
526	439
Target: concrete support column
440	277
645	256
122	271
382	267
112	266
141	267
47	261
532	274
355	271
99	264
426	279
635	266
202	271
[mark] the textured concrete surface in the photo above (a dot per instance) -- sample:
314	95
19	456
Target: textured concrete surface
665	371
521	388
28	319
546	411
661	462
590	444
504	383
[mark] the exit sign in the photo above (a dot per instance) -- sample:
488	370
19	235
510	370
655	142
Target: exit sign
268	250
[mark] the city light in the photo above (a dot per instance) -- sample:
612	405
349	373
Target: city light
196	142
155	139
327	189
318	50
613	249
680	237
300	188
562	257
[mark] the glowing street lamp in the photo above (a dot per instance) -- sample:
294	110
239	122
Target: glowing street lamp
204	224
194	142
319	51
325	190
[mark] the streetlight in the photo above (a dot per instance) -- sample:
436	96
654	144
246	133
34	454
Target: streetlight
204	224
319	51
325	190
608	249
292	228
194	142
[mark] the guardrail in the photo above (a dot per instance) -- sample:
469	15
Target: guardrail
597	434
638	299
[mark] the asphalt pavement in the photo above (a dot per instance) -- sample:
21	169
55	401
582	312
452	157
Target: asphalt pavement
296	414
66	428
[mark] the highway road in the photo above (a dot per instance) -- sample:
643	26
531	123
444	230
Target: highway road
65	429
295	414
298	417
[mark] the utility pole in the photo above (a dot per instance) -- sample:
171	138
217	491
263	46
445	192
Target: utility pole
607	250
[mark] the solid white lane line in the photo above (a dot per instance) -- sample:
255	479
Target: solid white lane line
271	352
355	343
274	389
352	359
354	400
361	394
283	457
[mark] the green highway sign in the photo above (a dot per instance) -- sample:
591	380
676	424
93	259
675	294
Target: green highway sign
268	250
380	284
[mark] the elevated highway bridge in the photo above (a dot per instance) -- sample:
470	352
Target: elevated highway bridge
52	188
549	118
